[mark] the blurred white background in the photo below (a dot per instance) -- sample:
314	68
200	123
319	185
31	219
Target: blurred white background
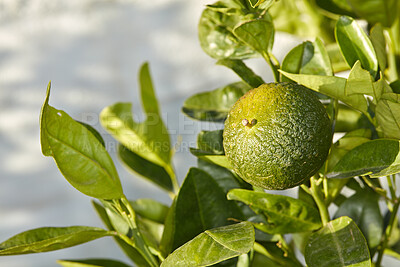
91	50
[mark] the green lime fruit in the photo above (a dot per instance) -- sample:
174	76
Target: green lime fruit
277	135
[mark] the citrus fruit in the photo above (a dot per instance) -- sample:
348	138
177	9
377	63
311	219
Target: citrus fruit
277	135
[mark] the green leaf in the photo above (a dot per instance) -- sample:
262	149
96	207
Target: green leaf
216	36
149	100
340	7
213	246
91	263
376	158
258	34
153	172
338	150
378	41
339	243
348	119
265	4
94	132
211	141
244	72
355	45
360	82
395	86
214	105
374	11
150	209
308	58
220	160
284	214
225	178
338	62
129	250
149	139
200	205
363	209
50	238
388	115
331	86
78	153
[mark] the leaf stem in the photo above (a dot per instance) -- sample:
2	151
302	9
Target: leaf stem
388	232
137	239
316	193
274	64
174	180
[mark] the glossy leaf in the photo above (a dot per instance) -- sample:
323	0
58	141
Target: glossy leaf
258	34
285	214
376	158
200	205
244	72
149	139
374	11
216	36
50	238
94	132
149	100
213	246
153	172
150	209
78	153
220	160
355	45
340	7
363	209
378	41
308	58
211	141
225	178
214	105
331	86
129	250
92	263
339	243
388	115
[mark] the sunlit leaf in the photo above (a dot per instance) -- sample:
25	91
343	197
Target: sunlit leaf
50	238
355	45
78	153
363	208
214	105
284	214
376	158
244	72
92	263
213	246
339	243
331	86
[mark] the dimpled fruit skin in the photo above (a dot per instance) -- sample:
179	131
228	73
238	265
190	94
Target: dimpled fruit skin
287	144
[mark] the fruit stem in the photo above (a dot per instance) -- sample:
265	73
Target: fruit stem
316	194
